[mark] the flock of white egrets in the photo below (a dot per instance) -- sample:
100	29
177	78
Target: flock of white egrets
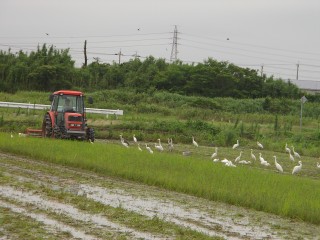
292	156
214	157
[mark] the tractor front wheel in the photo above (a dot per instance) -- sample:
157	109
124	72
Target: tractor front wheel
60	132
90	134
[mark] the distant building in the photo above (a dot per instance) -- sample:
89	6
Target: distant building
310	86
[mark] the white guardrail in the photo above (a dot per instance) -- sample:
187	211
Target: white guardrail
30	106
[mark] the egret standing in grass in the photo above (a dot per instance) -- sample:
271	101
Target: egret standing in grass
134	138
259	145
298	168
149	149
194	142
318	165
253	156
236	145
288	150
123	141
159	146
170	144
139	147
238	158
262	161
295	153
291	157
278	166
215	153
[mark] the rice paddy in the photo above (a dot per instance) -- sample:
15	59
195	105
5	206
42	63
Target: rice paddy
252	186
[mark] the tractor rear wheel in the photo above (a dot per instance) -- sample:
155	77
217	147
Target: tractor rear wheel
47	126
90	134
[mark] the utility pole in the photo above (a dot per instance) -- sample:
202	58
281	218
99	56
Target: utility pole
119	54
174	49
262	70
297	78
302	100
85	54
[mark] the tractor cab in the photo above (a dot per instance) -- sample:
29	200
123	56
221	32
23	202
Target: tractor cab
67	105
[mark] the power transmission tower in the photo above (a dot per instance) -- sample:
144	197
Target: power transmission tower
174	50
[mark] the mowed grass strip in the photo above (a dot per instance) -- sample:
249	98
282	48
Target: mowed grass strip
285	195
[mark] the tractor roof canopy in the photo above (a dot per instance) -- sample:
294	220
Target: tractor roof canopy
68	92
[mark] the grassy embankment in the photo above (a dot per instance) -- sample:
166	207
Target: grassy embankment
218	121
282	194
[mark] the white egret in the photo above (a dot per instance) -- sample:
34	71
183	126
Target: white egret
259	145
244	162
225	160
230	164
291	157
90	141
278	166
170	144
139	147
238	158
262	161
123	141
297	169
215	153
253	156
288	150
11	135
194	142
216	160
318	165
149	149
236	145
261	158
134	138
159	146
295	153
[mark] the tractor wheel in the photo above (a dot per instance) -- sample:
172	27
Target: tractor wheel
90	134
60	132
47	126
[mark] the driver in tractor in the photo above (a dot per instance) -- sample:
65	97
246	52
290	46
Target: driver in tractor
67	107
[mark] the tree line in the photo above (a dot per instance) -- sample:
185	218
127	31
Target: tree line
49	69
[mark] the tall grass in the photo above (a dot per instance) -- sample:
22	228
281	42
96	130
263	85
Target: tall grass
285	195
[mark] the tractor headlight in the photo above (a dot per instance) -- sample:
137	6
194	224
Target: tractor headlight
75	125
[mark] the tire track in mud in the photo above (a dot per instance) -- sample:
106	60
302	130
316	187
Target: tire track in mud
27	197
52	225
210	218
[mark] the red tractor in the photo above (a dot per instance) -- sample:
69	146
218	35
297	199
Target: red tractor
66	118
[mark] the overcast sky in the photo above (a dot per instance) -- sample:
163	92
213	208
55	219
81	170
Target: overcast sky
278	34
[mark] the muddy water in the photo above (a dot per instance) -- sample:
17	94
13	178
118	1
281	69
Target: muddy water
50	224
210	218
70	211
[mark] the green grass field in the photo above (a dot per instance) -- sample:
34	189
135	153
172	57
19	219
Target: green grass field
294	196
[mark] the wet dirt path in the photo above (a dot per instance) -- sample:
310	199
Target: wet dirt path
207	217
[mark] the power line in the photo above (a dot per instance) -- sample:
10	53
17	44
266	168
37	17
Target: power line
253	45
